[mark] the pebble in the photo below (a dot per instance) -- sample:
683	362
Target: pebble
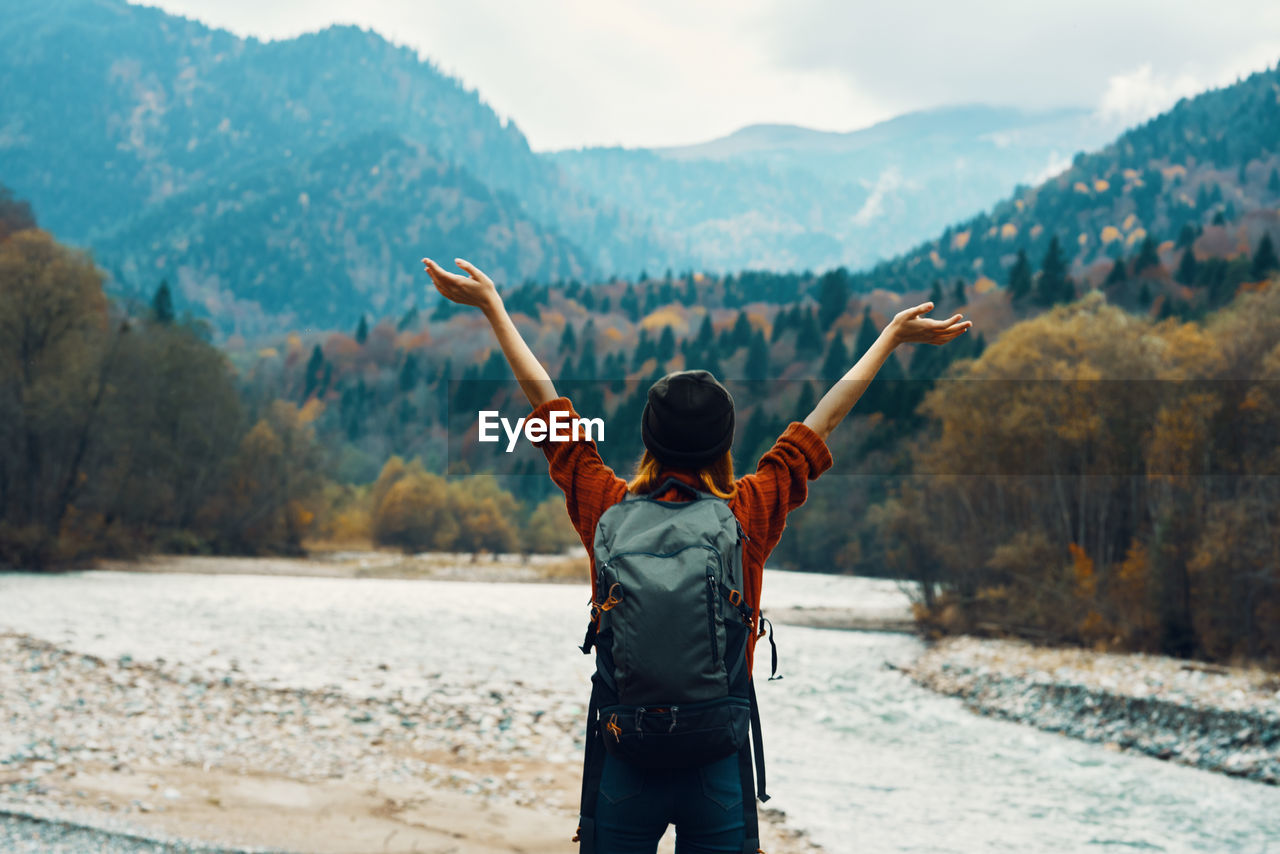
1216	718
148	714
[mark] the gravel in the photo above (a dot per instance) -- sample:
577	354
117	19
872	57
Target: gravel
1223	719
37	832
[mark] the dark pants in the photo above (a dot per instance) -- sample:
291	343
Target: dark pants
636	805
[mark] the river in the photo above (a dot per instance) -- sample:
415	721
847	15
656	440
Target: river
858	755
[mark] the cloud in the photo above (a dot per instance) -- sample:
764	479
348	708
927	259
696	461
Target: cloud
667	72
888	181
1140	94
1049	53
1055	164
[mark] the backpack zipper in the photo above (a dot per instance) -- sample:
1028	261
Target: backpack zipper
712	596
615	557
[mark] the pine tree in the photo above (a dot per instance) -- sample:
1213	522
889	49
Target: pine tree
867	332
711	363
1054	286
741	331
315	366
781	322
1019	277
630	304
443	310
1186	236
1187	267
162	303
756	434
644	350
808	336
833	296
836	363
757	367
706	334
690	293
959	297
409	319
568	340
408	373
807	399
1264	258
1119	273
362	330
1148	257
666	345
650	300
935	293
586	369
1203	202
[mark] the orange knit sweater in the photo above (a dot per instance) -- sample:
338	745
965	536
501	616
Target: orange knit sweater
778	486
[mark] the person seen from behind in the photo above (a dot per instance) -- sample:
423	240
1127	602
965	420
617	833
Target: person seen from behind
687	429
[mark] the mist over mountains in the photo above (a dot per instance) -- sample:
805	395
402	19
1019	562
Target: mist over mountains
782	197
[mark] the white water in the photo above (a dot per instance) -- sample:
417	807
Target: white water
857	754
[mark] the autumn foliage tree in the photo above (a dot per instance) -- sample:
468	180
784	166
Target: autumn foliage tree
122	434
1105	479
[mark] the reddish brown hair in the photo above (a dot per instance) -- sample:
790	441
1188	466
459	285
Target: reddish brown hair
716	478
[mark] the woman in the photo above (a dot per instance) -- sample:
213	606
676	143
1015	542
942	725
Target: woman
687	429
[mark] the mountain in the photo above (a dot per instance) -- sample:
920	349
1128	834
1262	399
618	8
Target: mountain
111	111
1204	175
314	242
787	197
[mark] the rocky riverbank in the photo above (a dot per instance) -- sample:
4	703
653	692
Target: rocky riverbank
163	751
1223	719
374	563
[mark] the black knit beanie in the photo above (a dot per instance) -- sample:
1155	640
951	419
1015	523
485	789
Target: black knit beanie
688	420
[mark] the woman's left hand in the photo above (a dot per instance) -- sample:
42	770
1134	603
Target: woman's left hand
910	326
474	289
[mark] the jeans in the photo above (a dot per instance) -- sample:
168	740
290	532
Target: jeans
635	806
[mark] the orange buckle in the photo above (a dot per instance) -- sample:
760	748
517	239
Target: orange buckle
613	728
735	598
612	600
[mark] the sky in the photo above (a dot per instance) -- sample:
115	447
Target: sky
574	73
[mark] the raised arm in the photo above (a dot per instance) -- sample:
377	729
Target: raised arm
478	290
908	326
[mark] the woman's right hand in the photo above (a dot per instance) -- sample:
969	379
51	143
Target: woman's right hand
474	289
910	326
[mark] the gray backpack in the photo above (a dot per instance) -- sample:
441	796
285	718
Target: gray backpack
670	627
